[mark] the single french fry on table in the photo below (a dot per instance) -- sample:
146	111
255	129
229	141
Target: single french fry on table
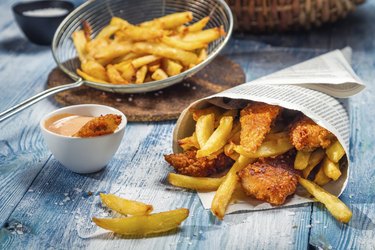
315	157
218	139
334	205
195	183
144	224
302	160
204	128
125	206
335	152
224	192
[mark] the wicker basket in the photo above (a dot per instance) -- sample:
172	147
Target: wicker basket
282	15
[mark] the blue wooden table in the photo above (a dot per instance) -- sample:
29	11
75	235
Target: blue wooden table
43	205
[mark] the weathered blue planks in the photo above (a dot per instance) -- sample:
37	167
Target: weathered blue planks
43	205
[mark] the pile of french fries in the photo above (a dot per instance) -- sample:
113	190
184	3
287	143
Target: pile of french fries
123	53
141	222
218	131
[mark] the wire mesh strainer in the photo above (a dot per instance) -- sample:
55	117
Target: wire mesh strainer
99	13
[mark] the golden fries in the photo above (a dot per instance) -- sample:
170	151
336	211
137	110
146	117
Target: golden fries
224	193
335	152
195	183
164	45
267	149
302	160
314	160
204	128
321	178
124	206
331	169
144	224
218	131
219	137
336	207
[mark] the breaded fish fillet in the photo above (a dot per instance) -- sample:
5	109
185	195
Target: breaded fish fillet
102	125
186	163
256	120
271	179
306	135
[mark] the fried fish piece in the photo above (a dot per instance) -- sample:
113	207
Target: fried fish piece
101	125
270	179
187	163
256	120
307	136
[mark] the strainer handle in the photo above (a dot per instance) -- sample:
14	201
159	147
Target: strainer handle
36	98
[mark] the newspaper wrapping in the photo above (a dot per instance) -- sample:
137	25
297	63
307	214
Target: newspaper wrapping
309	87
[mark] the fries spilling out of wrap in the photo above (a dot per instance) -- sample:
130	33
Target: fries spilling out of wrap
124	53
264	150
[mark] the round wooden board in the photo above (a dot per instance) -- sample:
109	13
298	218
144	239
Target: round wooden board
165	104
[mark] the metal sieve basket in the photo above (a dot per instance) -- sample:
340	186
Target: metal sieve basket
98	14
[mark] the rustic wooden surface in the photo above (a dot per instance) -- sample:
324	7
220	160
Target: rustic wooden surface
44	206
162	105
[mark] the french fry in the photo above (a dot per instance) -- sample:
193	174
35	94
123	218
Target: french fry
185	57
189	142
334	205
95	46
211	109
140	61
335	151
94	69
267	149
114	50
115	76
314	160
197	26
154	67
136	33
224	192
159	74
108	31
302	160
79	40
170	21
144	224
321	178
204	36
331	169
171	67
141	74
202	55
117	21
124	206
180	44
195	183
218	138
204	128
88	77
128	71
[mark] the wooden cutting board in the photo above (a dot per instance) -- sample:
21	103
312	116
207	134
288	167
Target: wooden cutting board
165	104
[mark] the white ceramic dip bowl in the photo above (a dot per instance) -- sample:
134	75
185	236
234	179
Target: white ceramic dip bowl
84	155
